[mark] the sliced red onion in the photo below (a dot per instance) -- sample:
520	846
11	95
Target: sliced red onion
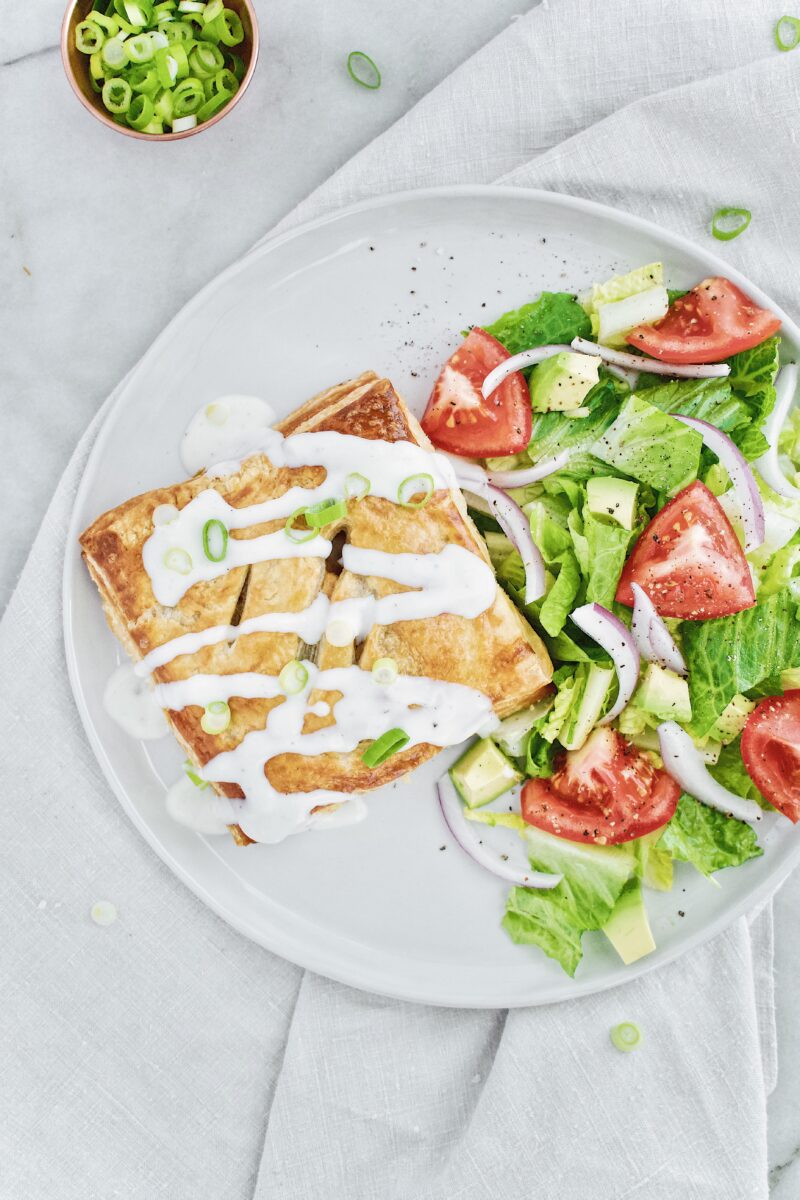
617	640
768	465
469	839
634	362
518	362
517	528
653	639
745	488
524	476
629	377
682	760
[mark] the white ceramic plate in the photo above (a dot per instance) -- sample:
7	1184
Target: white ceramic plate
387	285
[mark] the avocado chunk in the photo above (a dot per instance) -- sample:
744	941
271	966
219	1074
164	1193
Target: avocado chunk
615	498
483	773
732	720
628	928
664	694
511	734
562	383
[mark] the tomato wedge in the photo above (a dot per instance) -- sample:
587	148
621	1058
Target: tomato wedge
689	560
606	793
771	751
460	420
713	321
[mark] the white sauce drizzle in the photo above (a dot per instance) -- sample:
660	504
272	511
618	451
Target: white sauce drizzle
223	429
132	703
431	711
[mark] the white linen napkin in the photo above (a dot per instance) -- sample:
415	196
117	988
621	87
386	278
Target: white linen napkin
167	1057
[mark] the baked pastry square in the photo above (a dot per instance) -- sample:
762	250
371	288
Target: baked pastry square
496	653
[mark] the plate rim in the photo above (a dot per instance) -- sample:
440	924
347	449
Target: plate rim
315	958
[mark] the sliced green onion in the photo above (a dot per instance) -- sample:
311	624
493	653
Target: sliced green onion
216	717
324	513
340	632
187	97
363	70
109	25
728	223
212	106
172	63
356	486
165	514
384	747
89	37
626	1036
226	28
298	535
164	108
178	31
157	38
205	59
164	11
140	114
97	68
212	10
191	773
191	6
787	33
225	82
138	13
384	671
181	124
143	80
114	54
293	678
140	49
415	485
234	63
117	95
176	559
215	540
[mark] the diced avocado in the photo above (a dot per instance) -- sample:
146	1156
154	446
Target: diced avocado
586	713
615	498
483	773
561	383
511	734
732	720
664	694
487	816
790	678
616	319
655	866
628	928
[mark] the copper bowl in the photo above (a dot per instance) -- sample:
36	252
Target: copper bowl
76	66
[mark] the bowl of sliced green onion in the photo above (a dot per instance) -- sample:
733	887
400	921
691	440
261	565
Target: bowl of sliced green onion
161	69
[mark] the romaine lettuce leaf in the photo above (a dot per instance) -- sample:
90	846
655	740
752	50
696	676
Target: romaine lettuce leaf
556	317
607	546
651	446
707	399
734	654
708	839
789	439
560	599
553	432
752	378
730	771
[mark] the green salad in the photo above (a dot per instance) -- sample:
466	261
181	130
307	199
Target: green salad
653	545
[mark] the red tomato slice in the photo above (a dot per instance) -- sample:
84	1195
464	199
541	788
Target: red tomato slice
458	418
771	751
689	560
606	792
713	321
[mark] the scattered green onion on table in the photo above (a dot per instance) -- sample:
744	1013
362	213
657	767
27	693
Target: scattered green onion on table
728	223
165	67
363	70
787	33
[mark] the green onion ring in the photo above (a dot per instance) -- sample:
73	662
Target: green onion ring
139	49
114	54
175	559
216	717
213	105
626	1036
724	232
109	25
205	60
144	80
384	671
178	31
117	95
298	535
412	486
793	24
225	81
212	10
191	773
231	30
325	513
187	97
356	486
384	747
89	37
293	677
234	63
215	540
356	60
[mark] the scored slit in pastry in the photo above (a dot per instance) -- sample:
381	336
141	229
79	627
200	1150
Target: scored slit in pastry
496	652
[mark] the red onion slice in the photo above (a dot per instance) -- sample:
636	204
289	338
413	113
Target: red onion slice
768	465
745	488
517	528
617	640
653	640
524	476
469	839
683	762
517	362
634	362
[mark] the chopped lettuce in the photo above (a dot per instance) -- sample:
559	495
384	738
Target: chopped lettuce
620	287
708	839
607	548
706	399
561	597
556	317
735	654
651	446
730	771
752	378
789	439
553	432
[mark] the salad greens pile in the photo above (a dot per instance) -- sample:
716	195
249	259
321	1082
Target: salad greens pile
630	436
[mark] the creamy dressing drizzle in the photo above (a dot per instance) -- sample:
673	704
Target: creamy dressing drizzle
431	711
132	702
223	429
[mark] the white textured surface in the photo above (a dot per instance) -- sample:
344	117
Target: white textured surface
166	1023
